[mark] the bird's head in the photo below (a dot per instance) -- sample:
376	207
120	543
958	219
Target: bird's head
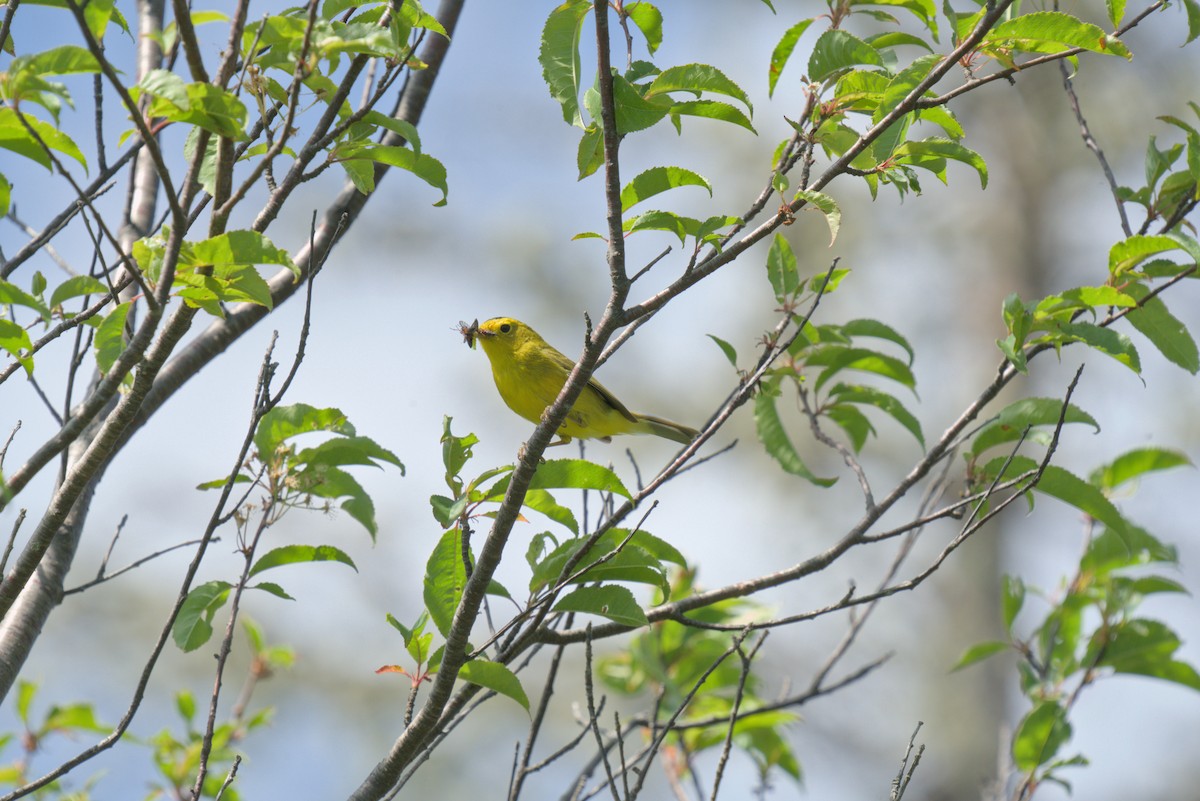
501	334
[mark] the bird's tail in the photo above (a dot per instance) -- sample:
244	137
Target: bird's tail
665	428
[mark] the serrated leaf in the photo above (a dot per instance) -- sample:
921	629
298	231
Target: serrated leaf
866	327
567	474
496	677
422	165
1053	32
1136	463
726	348
541	501
1165	331
15	136
777	444
712	110
294	554
193	626
76	286
781	269
783	52
649	20
613	602
697	78
445	578
1014	418
1039	736
828	207
836	51
559	56
937	148
835	358
1129	253
889	404
656	180
284	422
1105	340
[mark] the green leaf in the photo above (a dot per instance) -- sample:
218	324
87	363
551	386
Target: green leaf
1136	463
1053	32
893	95
783	52
697	78
109	340
559	56
13	295
15	136
852	421
1193	20
866	327
1134	546
1107	341
422	165
76	286
978	653
1039	736
272	588
1116	11
781	269
294	554
937	148
1067	487
835	358
542	501
239	248
613	602
348	450
5	196
591	151
726	348
201	104
193	626
1012	598
1164	330
567	474
778	446
1129	253
1014	418
445	577
284	422
634	111
639	560
828	207
496	677
16	340
656	180
65	60
1135	646
837	51
649	21
889	404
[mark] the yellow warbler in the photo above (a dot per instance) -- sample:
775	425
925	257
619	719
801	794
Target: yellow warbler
530	373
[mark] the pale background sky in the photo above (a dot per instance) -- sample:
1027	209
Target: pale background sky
383	350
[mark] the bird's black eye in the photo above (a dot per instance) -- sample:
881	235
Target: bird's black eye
505	328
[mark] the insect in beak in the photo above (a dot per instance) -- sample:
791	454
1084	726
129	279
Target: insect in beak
469	332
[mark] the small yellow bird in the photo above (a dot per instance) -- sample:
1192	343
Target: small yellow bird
530	373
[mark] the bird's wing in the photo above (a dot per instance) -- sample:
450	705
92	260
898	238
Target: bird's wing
594	385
